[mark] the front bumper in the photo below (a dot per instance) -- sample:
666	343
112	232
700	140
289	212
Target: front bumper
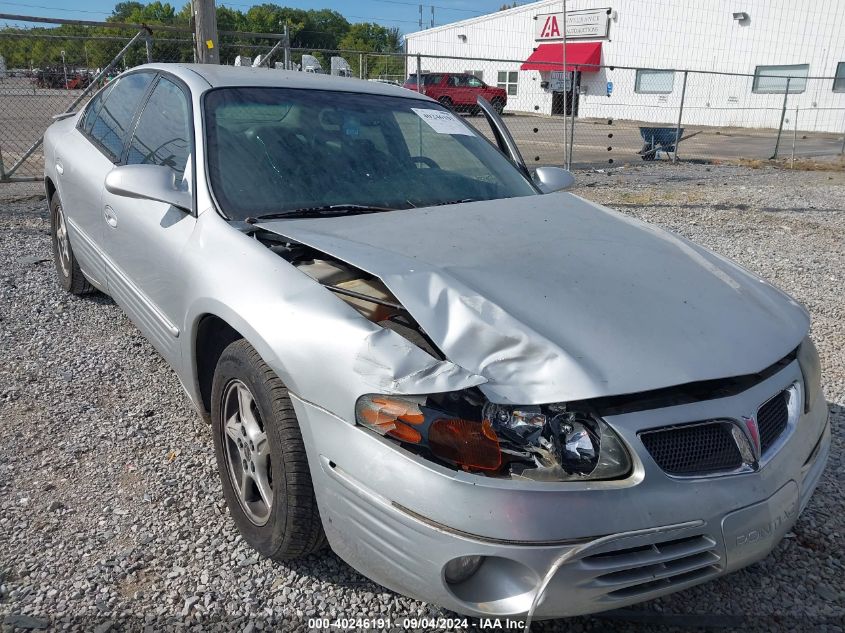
398	519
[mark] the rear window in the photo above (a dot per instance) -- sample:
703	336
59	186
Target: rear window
427	80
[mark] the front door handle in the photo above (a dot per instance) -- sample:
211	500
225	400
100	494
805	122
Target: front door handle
59	168
109	215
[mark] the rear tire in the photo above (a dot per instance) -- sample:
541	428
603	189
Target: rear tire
67	268
261	457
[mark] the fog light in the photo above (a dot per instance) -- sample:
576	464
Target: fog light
460	569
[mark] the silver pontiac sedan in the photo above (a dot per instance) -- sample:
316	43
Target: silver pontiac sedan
480	390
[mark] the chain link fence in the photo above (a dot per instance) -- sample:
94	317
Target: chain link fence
597	117
604	116
52	66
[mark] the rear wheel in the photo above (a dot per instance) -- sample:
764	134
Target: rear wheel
70	275
261	457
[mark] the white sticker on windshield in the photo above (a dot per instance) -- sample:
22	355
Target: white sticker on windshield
442	122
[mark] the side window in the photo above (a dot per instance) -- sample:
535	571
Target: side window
163	133
839	79
473	82
654	82
93	109
117	111
775	79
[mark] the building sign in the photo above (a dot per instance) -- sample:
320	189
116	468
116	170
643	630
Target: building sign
560	81
587	24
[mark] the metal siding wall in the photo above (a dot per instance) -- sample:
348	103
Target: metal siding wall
671	34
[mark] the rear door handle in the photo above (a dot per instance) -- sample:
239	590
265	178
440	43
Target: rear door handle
109	215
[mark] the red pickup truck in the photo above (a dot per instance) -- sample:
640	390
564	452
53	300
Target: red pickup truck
458	91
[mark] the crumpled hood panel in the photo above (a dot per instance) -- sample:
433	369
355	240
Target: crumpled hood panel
552	298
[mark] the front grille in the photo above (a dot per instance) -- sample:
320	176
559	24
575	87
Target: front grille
694	449
638	571
772	418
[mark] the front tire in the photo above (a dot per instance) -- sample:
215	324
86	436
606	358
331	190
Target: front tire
67	268
446	102
261	457
498	105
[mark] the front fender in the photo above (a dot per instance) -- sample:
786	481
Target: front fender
320	347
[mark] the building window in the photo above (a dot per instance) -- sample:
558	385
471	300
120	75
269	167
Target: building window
475	73
773	79
654	82
839	80
508	80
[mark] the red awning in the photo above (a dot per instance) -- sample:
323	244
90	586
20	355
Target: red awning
583	56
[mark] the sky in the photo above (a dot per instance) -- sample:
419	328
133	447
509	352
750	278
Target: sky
402	13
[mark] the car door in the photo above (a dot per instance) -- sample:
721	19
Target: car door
84	160
458	90
144	238
475	88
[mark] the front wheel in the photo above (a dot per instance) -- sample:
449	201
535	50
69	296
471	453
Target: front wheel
446	102
261	457
498	105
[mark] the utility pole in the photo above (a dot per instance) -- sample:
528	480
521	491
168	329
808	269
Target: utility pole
421	18
432	16
205	29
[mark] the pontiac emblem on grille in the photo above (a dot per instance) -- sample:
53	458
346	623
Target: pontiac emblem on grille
753	433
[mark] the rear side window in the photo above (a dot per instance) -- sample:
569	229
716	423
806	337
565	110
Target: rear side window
163	134
117	111
94	108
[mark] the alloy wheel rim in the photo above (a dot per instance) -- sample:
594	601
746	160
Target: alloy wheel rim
247	452
62	241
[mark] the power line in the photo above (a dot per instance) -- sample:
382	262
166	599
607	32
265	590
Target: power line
38	6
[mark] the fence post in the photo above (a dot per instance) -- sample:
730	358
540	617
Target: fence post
794	135
842	151
572	122
360	65
148	43
286	33
419	68
680	116
782	117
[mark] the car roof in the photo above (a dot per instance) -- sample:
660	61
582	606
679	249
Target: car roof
214	76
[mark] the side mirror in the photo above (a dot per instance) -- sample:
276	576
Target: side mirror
149	182
551	179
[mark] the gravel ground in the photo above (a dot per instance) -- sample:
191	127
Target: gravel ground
111	512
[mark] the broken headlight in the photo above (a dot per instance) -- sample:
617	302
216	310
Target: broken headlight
548	443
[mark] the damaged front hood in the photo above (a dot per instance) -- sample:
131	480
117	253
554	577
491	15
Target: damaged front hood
552	298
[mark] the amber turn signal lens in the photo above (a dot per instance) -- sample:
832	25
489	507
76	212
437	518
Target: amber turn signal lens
391	417
470	444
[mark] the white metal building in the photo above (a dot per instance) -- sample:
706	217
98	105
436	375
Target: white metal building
627	59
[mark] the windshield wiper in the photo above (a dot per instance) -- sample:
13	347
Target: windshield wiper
326	211
461	201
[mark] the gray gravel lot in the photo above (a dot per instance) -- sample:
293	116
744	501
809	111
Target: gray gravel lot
111	512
